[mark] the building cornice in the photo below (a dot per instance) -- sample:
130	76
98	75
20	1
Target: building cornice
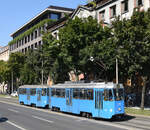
37	16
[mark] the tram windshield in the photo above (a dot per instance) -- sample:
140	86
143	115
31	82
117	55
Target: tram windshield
118	94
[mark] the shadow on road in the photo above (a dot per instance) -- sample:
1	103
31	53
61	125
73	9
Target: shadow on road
3	119
117	119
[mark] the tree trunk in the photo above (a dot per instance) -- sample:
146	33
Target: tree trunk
143	92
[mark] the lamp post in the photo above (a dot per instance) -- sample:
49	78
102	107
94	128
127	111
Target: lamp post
12	84
42	70
116	70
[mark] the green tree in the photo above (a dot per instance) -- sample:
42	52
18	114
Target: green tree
15	64
132	39
79	40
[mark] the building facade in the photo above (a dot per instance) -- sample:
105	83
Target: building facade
29	36
4	53
108	9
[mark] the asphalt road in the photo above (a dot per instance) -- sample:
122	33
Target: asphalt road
19	117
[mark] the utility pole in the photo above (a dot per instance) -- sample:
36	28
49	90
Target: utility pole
116	71
12	84
42	71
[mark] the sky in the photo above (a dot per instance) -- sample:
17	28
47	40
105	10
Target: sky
15	13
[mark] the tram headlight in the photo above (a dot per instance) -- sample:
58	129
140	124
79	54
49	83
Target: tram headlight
110	110
119	109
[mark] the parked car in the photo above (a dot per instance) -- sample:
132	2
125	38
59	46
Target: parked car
14	94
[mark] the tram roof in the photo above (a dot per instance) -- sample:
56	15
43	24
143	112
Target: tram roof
88	85
34	86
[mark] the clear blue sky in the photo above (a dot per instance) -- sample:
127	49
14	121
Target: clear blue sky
15	13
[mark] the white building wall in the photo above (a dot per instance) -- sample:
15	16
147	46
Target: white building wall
4	53
131	6
82	13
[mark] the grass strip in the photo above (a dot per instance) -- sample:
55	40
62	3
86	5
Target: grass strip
137	111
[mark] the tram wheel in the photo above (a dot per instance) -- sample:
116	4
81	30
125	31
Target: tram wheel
88	115
83	114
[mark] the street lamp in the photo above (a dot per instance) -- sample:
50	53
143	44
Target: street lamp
116	70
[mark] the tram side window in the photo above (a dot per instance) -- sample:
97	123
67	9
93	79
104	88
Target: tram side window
53	92
82	94
33	91
47	91
22	91
86	94
43	91
90	94
58	92
76	93
63	93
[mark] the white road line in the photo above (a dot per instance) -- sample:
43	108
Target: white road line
42	119
17	126
13	110
84	119
123	126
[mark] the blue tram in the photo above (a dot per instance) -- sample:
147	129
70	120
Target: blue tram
34	95
98	100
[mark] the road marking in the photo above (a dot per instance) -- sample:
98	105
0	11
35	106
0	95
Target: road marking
84	119
123	126
17	126
42	119
13	110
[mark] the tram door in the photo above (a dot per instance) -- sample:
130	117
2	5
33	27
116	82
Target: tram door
99	101
69	100
28	96
39	96
49	91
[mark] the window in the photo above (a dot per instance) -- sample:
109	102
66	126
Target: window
113	11
33	91
44	92
35	34
32	46
31	36
22	91
54	16
84	93
39	43
35	46
76	93
102	15
124	6
108	96
53	91
28	38
139	3
58	92
25	39
118	94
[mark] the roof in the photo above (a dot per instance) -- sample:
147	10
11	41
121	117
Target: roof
59	23
83	7
34	86
61	8
50	8
87	85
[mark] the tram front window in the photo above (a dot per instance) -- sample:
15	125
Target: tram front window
118	94
108	96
